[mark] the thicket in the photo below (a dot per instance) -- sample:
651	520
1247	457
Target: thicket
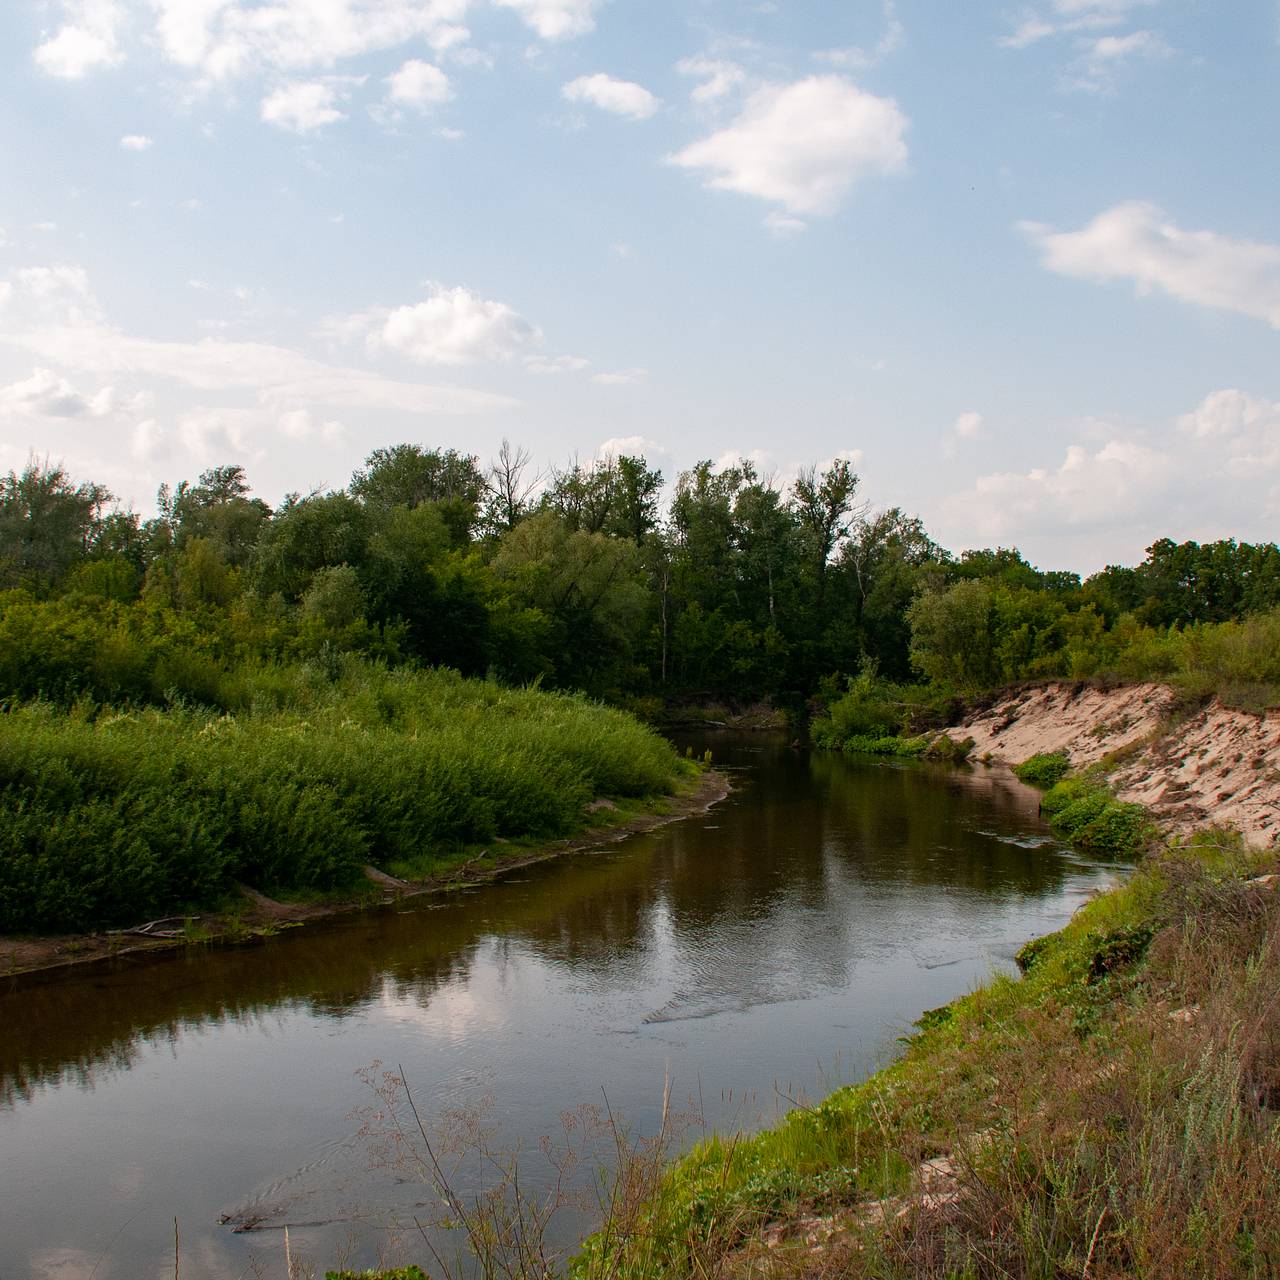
113	815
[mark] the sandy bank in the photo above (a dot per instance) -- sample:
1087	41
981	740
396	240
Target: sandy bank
1211	766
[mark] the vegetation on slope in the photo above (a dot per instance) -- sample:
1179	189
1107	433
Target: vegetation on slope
107	816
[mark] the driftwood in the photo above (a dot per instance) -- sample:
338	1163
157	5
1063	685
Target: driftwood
152	928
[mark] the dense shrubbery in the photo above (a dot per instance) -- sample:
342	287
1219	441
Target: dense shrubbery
115	815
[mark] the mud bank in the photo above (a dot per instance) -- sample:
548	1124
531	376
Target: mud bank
1206	766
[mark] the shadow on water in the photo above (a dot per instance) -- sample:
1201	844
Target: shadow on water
820	908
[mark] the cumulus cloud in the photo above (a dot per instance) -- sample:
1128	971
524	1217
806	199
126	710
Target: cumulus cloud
1212	472
135	142
452	326
555	19
418	84
53	315
47	395
631	447
619	97
967	425
1137	241
803	145
88	40
302	106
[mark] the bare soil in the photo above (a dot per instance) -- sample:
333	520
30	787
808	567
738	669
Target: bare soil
1208	766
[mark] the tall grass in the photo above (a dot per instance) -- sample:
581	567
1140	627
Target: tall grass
106	816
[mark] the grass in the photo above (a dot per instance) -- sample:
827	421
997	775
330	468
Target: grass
1085	1130
110	816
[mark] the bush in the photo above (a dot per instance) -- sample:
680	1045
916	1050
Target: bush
1088	815
1043	769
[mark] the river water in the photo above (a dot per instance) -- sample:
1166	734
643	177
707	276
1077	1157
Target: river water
772	948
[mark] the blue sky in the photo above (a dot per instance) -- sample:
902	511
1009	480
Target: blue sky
1022	261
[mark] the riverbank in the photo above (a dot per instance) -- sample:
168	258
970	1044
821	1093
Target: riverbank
1113	1112
257	915
1116	1112
1189	763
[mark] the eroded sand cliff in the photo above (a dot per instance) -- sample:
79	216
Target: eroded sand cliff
1215	765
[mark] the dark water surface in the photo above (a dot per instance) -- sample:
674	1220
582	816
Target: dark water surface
777	944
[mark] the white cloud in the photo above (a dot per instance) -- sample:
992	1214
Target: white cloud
555	19
221	39
620	377
619	97
1102	58
1136	241
302	106
53	315
47	395
135	142
630	447
1071	17
298	424
89	39
1028	32
967	425
452	326
803	145
718	77
1230	413
418	84
560	364
1214	472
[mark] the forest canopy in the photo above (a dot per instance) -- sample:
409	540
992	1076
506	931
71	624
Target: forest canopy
597	577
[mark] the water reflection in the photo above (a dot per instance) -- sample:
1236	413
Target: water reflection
813	914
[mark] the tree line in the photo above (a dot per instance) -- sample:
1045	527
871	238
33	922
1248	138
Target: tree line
598	577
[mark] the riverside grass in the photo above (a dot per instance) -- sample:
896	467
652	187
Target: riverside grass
108	816
1116	1112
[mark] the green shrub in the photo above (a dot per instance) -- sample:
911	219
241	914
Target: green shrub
1043	769
1088	815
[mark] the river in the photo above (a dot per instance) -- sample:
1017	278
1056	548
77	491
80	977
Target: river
773	947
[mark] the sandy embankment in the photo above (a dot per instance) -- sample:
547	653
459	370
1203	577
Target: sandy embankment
1216	766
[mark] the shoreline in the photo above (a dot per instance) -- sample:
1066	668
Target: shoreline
35	957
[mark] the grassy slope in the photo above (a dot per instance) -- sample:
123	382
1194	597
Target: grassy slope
108	817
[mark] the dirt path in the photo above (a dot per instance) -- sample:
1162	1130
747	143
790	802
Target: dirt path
264	915
1211	766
